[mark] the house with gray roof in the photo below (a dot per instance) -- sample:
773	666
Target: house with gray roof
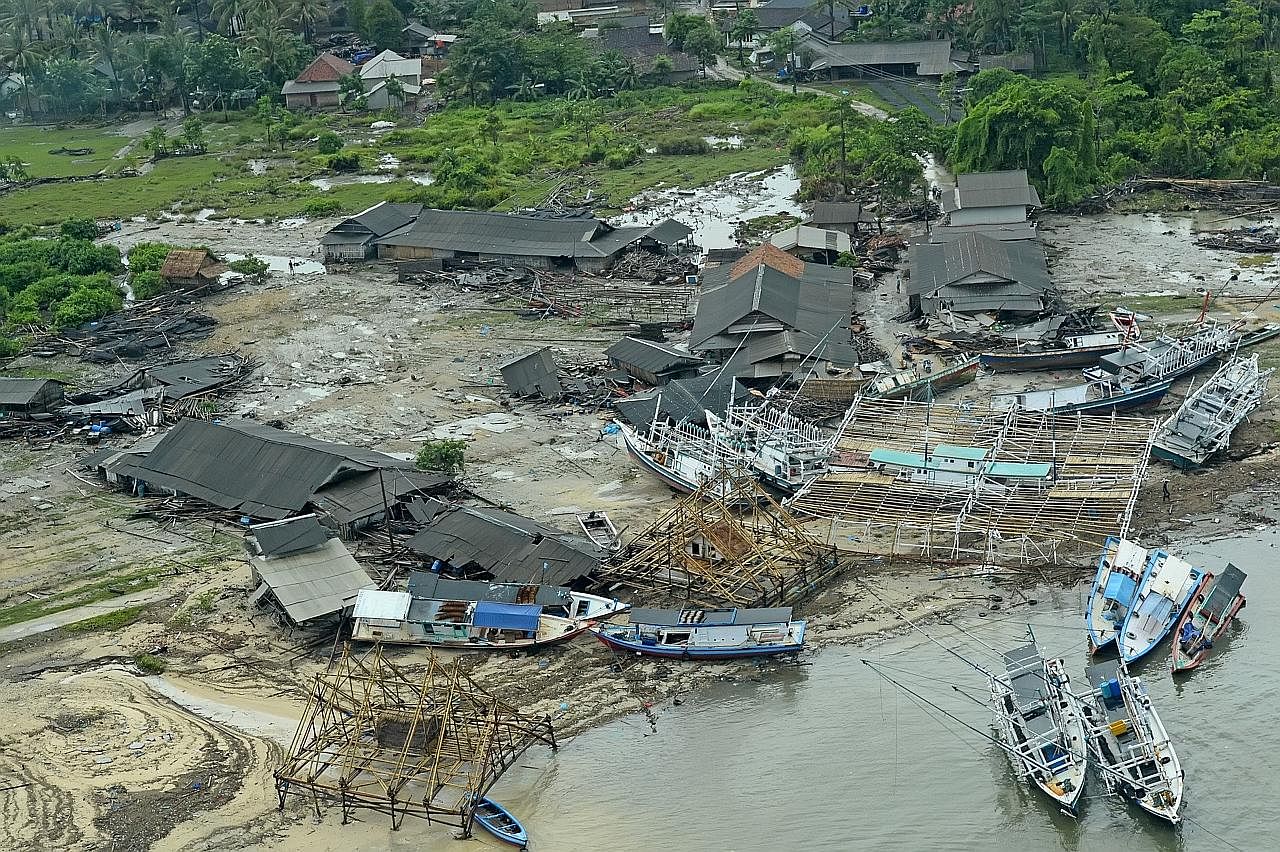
353	238
683	400
25	398
772	313
651	362
844	216
980	274
1001	199
302	571
930	58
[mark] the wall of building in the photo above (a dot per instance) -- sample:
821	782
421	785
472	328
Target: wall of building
311	100
990	215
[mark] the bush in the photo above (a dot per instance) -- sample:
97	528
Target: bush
322	207
444	456
147	284
343	162
145	257
9	347
79	229
682	145
329	142
847	259
763	127
149	664
92	298
249	266
620	158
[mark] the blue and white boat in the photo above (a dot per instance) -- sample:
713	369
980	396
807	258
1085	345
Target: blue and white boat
706	634
1120	570
1163	593
500	822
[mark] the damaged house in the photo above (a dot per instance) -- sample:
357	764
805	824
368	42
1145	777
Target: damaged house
490	544
651	362
191	268
353	238
302	570
28	398
772	313
980	274
271	474
995	204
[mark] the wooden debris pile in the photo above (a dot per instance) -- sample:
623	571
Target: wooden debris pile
1256	240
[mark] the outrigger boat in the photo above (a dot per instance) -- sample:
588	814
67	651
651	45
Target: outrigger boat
1129	742
500	822
1202	425
706	634
1213	607
921	382
1039	724
1161	596
1120	569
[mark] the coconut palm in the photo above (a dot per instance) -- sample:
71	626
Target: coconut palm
272	48
107	48
307	13
24	57
229	14
25	16
66	35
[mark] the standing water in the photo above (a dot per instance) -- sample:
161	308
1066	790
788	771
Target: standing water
831	757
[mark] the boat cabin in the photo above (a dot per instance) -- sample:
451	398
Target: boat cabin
710	628
950	464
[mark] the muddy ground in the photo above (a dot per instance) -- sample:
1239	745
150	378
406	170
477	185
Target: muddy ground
97	757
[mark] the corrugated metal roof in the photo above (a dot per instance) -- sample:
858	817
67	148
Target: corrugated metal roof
669	232
313	584
507	234
507	546
534	374
931	58
506	616
1011	231
293	87
388	63
649	355
934	266
361	495
1007	188
249	467
14	391
432	586
839	213
809	237
683	399
382	606
295	535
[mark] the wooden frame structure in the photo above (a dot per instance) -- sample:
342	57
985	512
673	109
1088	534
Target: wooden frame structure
371	737
728	543
1097	465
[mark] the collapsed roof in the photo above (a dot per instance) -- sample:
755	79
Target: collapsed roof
977	273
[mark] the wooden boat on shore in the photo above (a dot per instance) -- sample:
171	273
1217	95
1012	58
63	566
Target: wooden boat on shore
1165	357
1099	397
921	382
1043	732
1120	569
684	456
500	822
1083	350
1213	607
706	634
1161	596
1129	742
1202	425
599	528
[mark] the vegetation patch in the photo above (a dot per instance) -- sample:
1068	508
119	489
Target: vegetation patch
103	585
113	620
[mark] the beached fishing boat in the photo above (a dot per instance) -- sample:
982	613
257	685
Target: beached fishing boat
1120	569
1165	357
1041	729
922	382
706	634
683	455
1202	425
1129	743
600	529
1098	397
500	822
1212	609
1081	350
1162	594
783	450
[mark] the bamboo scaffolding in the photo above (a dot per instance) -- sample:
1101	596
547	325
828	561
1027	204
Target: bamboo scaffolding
1096	464
729	543
372	738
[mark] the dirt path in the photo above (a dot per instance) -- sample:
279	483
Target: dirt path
14	632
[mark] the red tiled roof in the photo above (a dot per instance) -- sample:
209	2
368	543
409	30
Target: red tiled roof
772	256
325	68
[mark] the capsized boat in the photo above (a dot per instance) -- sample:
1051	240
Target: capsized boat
1041	728
500	822
1213	607
1120	569
1161	596
1129	743
706	634
1202	425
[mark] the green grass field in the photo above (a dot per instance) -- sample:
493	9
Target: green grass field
32	145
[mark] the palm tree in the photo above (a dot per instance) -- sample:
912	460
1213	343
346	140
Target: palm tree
25	15
272	47
307	13
582	87
229	14
627	76
24	57
107	48
65	34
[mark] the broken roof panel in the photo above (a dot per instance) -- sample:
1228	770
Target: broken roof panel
382	606
1008	188
534	374
20	391
362	495
839	213
295	535
312	584
809	237
650	356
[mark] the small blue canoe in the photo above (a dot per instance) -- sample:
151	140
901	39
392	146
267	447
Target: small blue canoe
499	822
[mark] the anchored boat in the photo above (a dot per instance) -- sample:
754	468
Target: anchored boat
1129	742
500	822
1040	725
1213	607
1120	569
1161	596
706	634
1202	425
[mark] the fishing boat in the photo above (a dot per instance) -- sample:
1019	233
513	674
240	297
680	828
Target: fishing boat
1161	596
1202	425
1120	569
783	450
1165	357
1097	397
706	634
1042	731
600	529
1081	350
1129	743
1213	607
500	822
683	455
922	382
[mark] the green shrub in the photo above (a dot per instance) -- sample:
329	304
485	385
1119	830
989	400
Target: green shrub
249	266
149	664
91	299
79	229
148	284
328	142
9	347
682	145
322	207
847	259
620	158
445	456
343	162
763	127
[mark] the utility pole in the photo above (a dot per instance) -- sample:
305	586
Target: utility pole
791	60
844	159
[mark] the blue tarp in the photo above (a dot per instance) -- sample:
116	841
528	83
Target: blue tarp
1120	588
1158	607
505	616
